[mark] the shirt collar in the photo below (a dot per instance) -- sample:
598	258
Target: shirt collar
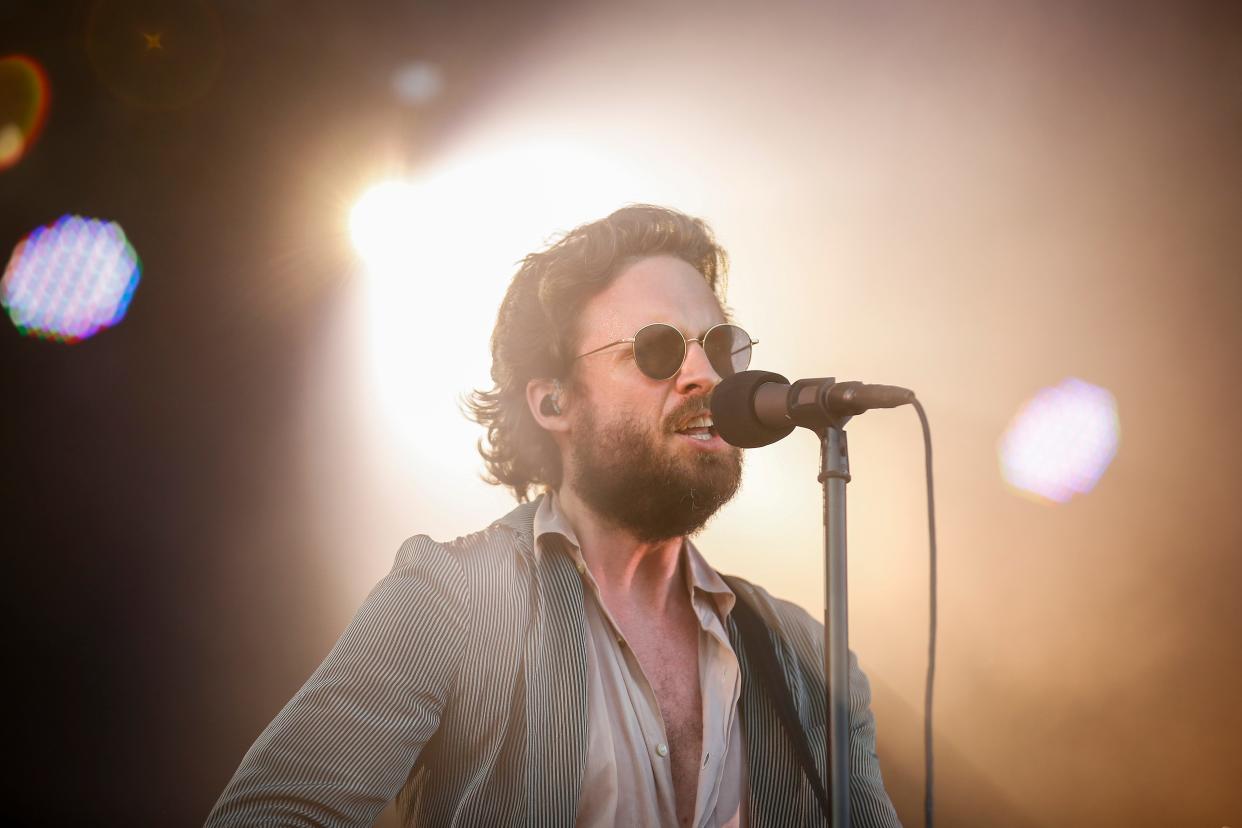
550	520
701	578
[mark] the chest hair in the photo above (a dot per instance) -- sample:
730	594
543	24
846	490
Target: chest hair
669	656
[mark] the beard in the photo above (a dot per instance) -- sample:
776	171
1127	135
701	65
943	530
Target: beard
629	479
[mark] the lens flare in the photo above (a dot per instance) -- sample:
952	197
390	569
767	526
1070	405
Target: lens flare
155	54
1062	440
69	280
24	100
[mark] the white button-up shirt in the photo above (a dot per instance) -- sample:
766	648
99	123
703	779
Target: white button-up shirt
629	778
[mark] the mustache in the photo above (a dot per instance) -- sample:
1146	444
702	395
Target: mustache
691	408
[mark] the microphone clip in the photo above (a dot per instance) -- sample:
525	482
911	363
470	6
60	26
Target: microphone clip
816	404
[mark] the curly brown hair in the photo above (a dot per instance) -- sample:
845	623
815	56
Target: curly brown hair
536	330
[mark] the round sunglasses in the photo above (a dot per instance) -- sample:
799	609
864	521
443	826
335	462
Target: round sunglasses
660	349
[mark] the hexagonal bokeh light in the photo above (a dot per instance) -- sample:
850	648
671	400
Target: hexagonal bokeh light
71	279
1062	440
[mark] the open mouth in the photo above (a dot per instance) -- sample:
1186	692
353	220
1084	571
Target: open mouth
700	428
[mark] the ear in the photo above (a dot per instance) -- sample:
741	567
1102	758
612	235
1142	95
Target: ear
536	391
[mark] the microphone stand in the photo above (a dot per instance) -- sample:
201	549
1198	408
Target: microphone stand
757	408
834	474
816	405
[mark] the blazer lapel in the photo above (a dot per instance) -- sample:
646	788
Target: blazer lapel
555	681
779	795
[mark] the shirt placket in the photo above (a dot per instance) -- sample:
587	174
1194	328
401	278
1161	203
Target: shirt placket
719	681
646	708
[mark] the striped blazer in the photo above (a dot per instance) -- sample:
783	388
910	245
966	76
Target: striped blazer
460	689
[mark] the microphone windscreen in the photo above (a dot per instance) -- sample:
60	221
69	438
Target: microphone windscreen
733	410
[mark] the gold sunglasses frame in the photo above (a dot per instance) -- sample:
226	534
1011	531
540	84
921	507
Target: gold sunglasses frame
685	346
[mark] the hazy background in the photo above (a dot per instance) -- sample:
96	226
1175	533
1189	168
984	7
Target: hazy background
974	200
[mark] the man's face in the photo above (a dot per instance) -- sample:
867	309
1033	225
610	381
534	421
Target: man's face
630	455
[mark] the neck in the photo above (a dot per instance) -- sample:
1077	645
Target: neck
642	574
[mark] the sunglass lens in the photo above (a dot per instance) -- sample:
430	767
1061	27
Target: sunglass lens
659	350
728	349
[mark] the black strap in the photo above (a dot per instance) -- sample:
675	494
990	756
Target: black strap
758	643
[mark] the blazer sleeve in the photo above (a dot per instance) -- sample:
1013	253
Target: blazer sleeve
869	801
343	746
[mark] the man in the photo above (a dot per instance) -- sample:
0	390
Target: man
578	662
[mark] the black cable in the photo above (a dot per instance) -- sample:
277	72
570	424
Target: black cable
931	637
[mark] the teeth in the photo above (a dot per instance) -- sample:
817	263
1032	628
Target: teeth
702	421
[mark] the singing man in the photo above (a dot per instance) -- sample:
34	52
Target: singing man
578	662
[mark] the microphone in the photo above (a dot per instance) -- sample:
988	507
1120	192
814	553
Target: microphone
757	408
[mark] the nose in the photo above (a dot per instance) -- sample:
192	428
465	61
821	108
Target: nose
697	373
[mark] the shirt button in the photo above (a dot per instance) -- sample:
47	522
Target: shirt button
662	749
581	568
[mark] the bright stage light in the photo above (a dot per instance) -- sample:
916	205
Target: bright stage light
1060	443
439	251
382	225
69	280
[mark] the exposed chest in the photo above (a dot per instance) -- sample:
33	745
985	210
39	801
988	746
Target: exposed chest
669	658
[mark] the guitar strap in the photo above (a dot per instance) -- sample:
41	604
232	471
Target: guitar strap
757	639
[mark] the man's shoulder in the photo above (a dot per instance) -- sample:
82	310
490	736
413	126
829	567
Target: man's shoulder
802	632
504	539
789	620
783	611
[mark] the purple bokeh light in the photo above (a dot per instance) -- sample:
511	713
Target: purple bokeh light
1061	442
71	279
